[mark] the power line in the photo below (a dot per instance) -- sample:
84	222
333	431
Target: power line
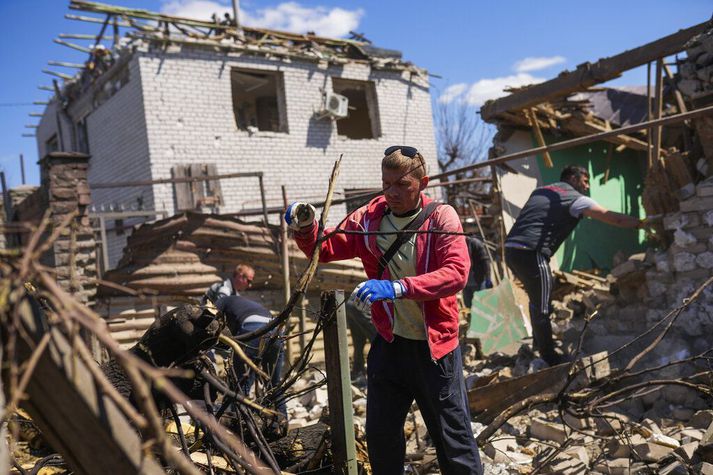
15	104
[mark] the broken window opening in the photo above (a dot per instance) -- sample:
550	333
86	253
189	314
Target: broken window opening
258	100
197	194
363	119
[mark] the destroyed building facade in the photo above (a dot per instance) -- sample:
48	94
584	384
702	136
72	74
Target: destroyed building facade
171	104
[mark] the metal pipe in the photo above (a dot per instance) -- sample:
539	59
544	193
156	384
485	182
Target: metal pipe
160	181
672	119
236	13
22	168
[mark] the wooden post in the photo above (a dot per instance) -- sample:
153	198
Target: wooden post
339	390
539	137
262	198
658	109
285	257
105	241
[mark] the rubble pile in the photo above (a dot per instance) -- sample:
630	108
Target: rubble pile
649	285
612	445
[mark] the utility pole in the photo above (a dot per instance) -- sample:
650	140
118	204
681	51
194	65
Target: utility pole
236	13
22	168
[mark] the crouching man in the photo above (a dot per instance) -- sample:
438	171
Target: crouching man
414	278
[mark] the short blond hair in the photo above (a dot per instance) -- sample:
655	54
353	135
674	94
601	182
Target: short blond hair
415	166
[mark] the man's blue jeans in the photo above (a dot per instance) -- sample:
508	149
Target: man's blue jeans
273	359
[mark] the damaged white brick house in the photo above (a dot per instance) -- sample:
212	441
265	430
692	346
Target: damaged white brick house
182	97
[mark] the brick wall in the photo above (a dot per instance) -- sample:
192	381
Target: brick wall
190	119
177	109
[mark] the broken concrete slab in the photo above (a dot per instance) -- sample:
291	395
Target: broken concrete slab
674	468
687	451
651	452
499	446
621	447
544	430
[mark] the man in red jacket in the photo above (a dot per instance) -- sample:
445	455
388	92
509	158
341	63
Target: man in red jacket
411	294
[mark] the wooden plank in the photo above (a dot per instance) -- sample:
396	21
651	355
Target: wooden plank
198	187
588	74
214	188
539	137
71	411
183	191
489	401
338	383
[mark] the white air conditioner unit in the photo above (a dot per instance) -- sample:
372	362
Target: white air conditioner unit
336	105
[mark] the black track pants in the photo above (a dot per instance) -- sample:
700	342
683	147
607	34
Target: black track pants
533	270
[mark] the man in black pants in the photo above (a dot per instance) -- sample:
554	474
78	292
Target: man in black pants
549	216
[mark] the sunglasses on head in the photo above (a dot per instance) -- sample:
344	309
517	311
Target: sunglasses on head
407	151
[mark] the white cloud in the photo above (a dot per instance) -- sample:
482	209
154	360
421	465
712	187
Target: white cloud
287	16
453	92
537	63
487	89
197	9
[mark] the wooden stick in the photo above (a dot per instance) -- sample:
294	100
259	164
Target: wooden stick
532	116
72	45
239	351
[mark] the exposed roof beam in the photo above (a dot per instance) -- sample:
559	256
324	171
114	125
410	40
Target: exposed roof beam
588	74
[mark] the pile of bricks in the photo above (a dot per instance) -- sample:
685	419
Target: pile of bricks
611	444
696	72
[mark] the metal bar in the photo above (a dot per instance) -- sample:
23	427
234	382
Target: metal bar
127	214
122	184
262	199
565	144
236	13
22	168
105	251
339	392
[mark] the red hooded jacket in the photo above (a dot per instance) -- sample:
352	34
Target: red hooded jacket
442	265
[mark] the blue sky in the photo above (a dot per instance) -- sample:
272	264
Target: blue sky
466	42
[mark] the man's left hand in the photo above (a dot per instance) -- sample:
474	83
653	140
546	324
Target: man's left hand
373	290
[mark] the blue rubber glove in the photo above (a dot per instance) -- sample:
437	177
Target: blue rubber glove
373	290
299	215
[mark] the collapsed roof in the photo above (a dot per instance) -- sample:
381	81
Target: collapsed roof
221	36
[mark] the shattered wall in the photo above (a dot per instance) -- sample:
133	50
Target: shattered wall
651	284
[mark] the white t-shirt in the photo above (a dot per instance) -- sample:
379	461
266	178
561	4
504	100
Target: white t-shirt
580	205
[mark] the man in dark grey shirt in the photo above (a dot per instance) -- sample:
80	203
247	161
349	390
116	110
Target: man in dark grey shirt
548	217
